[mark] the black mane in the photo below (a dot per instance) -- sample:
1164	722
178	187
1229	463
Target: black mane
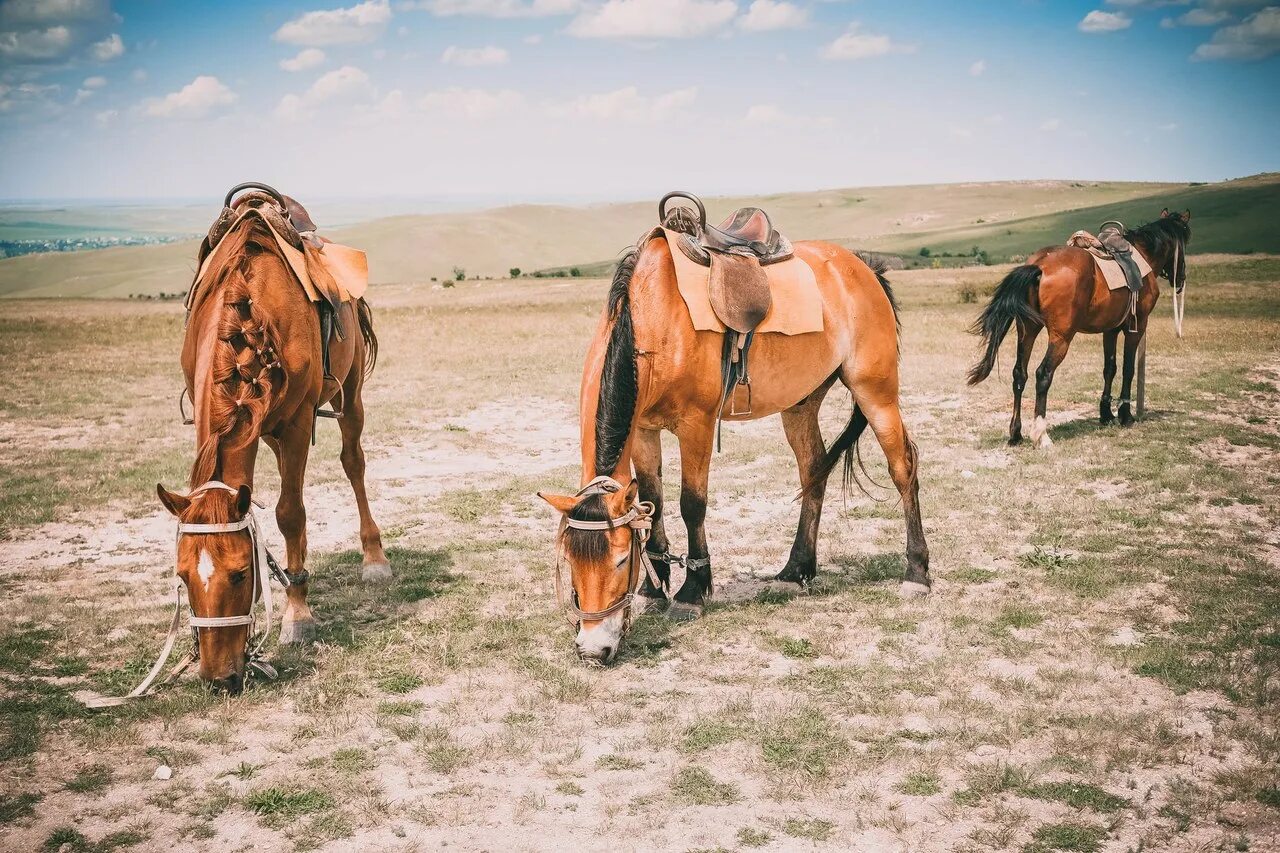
618	381
587	546
1158	237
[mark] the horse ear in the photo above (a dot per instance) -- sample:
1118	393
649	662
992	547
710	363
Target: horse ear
173	502
242	501
1186	215
1164	214
561	503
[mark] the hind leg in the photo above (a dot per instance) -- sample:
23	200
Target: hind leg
1056	352
647	457
376	567
805	437
1108	376
695	469
1026	342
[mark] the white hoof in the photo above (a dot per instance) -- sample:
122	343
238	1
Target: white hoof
911	589
376	573
1044	441
297	631
1040	433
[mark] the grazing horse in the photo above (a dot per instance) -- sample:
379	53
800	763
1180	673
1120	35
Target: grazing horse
254	369
648	369
1061	289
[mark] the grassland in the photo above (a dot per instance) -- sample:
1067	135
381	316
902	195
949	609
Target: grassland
1003	219
1098	668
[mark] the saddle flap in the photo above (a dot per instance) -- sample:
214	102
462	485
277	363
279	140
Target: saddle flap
739	291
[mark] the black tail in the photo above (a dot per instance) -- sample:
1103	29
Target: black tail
845	445
1011	301
365	314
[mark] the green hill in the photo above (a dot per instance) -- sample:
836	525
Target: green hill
1005	219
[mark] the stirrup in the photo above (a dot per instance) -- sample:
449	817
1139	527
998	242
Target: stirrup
336	408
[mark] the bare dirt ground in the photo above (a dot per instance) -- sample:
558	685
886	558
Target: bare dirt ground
1097	668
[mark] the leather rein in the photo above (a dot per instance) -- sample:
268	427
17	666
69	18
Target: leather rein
640	519
264	568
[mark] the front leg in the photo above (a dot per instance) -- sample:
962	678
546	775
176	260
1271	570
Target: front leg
647	457
1131	340
695	469
1108	376
291	447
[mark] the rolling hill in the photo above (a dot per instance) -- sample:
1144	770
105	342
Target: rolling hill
1003	218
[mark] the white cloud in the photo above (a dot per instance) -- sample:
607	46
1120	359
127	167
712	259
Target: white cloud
978	68
357	24
307	58
347	84
627	104
765	15
82	95
111	47
1049	125
94	82
27	45
1098	21
653	19
496	8
1196	18
473	57
105	117
197	99
1257	37
53	11
476	104
855	44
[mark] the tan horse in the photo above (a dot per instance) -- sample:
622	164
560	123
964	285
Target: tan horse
253	366
647	370
1061	289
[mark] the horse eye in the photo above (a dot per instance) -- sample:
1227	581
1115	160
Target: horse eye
237	578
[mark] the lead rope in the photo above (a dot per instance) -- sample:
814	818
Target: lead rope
1179	293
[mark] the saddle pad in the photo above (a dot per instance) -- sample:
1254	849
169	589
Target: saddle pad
333	273
1112	272
797	302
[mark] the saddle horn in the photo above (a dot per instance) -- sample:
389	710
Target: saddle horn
702	211
255	185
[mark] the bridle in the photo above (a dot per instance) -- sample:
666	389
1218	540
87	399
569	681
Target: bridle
264	568
639	517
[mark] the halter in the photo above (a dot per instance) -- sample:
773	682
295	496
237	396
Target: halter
264	567
640	519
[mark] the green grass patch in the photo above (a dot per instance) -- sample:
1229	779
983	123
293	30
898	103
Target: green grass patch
812	828
1078	795
1071	837
805	742
90	780
695	786
919	784
17	806
278	806
751	837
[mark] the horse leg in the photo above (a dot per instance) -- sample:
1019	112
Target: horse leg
647	457
1108	375
879	403
292	447
695	469
1026	342
805	438
1057	351
351	424
1131	341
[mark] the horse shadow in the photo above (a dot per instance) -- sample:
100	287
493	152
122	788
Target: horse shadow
1086	426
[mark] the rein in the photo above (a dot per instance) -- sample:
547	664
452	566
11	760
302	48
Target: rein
1179	290
264	568
640	519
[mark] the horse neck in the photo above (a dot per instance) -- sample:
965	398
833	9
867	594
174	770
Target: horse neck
590	404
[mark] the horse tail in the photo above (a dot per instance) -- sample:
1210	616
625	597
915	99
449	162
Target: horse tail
365	315
844	447
1010	302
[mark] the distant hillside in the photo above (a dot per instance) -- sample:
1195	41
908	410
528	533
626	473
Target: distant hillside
1002	218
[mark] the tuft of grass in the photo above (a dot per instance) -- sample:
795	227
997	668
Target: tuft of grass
805	742
351	760
920	784
614	761
399	682
1071	837
279	806
972	574
66	839
695	786
1078	795
17	806
569	788
90	780
814	829
1269	797
707	733
751	837
795	647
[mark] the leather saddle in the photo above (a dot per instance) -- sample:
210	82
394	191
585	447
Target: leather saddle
1111	245
289	219
736	251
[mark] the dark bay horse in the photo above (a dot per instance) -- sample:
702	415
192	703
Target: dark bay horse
647	370
1062	290
254	369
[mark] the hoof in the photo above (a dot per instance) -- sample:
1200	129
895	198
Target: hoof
1044	441
682	612
651	604
1015	440
911	589
376	572
297	631
794	575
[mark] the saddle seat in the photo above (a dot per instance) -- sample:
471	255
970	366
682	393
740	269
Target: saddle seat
747	229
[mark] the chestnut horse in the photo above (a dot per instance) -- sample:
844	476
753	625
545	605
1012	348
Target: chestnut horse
1062	290
254	369
647	370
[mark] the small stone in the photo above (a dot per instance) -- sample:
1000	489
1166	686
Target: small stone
1125	636
163	772
967	474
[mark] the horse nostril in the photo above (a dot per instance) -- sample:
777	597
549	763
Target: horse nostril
606	653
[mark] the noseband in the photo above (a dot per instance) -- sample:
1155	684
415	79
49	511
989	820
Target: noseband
640	519
264	568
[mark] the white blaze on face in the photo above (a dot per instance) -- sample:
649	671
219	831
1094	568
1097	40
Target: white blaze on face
205	568
600	641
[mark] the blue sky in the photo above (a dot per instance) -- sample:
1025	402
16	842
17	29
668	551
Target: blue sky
602	99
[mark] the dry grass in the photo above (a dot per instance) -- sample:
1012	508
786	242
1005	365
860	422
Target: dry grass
1097	669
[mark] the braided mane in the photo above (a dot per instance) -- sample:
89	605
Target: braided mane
247	373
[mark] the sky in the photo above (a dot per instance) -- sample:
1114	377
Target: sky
531	100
